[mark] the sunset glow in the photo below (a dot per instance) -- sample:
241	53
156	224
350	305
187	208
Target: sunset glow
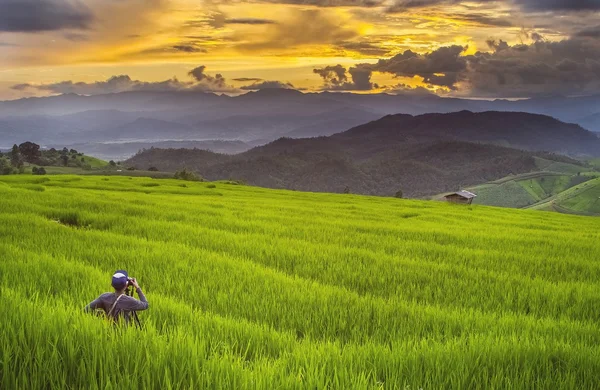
287	41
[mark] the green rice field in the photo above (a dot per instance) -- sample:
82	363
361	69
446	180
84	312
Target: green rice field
252	288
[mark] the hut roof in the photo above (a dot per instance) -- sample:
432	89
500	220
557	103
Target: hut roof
463	194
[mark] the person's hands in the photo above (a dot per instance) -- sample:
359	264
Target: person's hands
135	283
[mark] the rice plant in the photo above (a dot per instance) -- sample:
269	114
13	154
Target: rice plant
252	288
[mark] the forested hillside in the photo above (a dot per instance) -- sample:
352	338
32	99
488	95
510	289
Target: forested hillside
416	155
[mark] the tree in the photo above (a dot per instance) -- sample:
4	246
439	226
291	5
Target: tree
347	190
65	159
5	168
184	174
15	157
38	171
65	150
153	169
398	194
73	151
112	163
30	151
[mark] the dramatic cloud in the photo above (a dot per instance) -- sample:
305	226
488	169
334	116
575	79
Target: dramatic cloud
217	82
441	68
528	5
560	5
301	27
202	82
336	78
332	75
43	15
267	85
571	66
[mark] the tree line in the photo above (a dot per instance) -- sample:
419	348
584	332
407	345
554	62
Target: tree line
29	153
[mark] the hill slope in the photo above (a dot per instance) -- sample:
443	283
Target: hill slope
258	289
582	199
418	155
261	115
512	129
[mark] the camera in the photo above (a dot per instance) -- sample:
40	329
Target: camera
129	281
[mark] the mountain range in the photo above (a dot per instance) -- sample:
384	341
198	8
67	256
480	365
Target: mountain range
255	117
419	155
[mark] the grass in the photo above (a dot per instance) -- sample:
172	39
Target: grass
559	167
585	200
507	194
595	163
530	189
95	162
260	289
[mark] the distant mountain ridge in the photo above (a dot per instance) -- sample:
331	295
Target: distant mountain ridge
420	155
262	115
512	129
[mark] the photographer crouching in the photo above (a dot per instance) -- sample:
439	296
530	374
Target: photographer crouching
121	303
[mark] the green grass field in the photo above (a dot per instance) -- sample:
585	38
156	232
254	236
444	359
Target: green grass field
252	288
582	199
531	189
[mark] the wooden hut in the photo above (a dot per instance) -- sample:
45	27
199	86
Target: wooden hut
462	197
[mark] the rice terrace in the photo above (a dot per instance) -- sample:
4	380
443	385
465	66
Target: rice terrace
253	288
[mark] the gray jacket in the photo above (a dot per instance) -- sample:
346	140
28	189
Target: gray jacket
123	308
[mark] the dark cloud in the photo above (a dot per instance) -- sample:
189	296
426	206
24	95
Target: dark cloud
366	48
567	67
497	45
247	79
591	32
189	49
337	78
268	85
484	20
527	5
20	87
43	15
559	5
216	82
571	66
183	47
123	83
249	21
441	67
332	75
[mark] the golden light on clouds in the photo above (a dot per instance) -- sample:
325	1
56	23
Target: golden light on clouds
160	39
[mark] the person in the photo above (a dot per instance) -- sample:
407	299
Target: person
118	304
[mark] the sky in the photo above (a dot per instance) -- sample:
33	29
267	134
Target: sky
475	49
